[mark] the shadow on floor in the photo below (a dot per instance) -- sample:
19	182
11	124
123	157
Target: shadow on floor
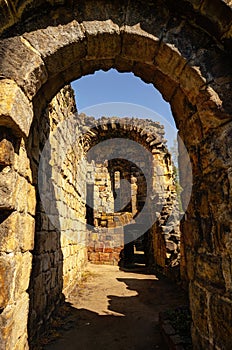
131	322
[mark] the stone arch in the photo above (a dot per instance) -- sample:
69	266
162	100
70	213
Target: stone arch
145	158
178	45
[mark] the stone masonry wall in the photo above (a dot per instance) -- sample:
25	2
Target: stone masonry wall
59	253
185	52
155	208
17	222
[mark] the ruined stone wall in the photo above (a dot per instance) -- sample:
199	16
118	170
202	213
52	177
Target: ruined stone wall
59	244
165	231
59	254
17	222
185	52
136	149
103	193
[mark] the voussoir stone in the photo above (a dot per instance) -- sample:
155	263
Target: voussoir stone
59	46
138	44
29	73
103	39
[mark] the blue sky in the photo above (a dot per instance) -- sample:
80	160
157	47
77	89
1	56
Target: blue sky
122	94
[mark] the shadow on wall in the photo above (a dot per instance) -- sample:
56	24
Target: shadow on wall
46	281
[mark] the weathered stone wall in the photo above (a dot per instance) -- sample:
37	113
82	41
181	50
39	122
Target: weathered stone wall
17	221
166	229
184	51
148	200
60	252
103	194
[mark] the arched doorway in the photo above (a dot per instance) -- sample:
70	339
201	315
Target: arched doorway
177	46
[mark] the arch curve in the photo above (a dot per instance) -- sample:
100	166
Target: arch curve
185	51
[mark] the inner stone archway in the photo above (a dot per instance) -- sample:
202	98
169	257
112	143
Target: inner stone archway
133	185
185	52
76	151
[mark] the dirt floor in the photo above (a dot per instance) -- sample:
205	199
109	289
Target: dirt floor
116	310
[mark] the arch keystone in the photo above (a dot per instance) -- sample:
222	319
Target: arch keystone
103	39
138	44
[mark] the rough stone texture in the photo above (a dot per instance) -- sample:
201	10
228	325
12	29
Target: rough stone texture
60	251
15	109
50	42
61	235
13	68
193	40
6	148
17	209
148	172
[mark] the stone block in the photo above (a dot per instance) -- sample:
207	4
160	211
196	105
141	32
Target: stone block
8	232
52	241
15	109
37	265
59	46
191	81
221	321
31	199
190	229
134	37
94	257
8	180
220	15
13	323
104	257
25	232
190	260
7	277
40	239
6	152
46	262
209	270
21	196
171	246
227	272
22	343
169	61
198	306
22	273
99	247
17	232
39	299
30	73
108	250
22	162
115	256
6	326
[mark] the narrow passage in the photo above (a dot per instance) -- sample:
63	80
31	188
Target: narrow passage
117	310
